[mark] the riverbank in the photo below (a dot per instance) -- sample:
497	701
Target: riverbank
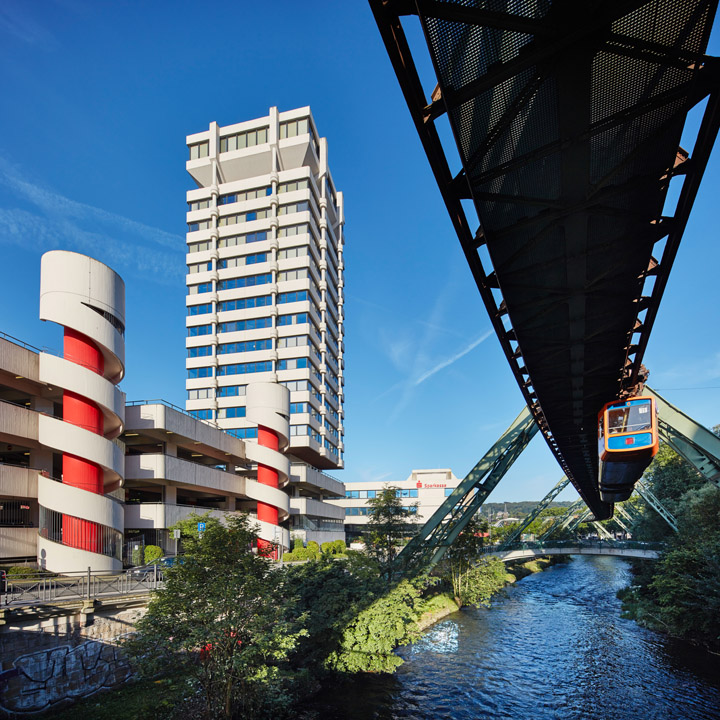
444	604
160	699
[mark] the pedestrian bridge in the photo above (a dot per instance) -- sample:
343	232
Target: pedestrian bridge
530	550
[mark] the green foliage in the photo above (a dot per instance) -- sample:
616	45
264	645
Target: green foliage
298	544
138	556
680	593
460	558
225	619
669	477
21	571
482	581
389	524
152	553
368	641
163	699
334	547
313	549
330	593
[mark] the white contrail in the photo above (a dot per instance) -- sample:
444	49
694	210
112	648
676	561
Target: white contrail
454	358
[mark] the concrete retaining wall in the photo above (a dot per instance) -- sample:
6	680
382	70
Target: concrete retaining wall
52	656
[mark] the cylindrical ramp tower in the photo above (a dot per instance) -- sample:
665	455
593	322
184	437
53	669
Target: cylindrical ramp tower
81	526
268	405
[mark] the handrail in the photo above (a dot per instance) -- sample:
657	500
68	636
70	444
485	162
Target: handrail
21	343
172	406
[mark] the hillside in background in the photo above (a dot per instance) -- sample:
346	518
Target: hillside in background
516	509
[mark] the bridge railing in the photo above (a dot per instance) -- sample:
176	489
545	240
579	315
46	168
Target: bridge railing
546	544
42	588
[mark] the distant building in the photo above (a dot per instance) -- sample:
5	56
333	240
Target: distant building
425	488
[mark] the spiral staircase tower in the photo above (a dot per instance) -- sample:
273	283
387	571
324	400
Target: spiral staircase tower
81	524
268	405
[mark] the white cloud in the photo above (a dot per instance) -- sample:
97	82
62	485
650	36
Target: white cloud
60	222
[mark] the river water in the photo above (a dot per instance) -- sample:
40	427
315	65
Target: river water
552	647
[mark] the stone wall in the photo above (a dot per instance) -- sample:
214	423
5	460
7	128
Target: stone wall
51	657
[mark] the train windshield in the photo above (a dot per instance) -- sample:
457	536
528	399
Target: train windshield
629	418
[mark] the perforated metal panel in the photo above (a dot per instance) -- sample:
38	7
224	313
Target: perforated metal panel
567	117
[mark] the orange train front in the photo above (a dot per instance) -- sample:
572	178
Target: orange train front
627	442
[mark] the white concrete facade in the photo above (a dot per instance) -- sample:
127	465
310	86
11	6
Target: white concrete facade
427	489
156	463
265	291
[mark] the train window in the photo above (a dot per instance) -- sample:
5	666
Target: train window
629	419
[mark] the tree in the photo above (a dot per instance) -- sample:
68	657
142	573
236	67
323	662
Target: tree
389	524
224	618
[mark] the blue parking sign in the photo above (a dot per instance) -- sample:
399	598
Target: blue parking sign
201	527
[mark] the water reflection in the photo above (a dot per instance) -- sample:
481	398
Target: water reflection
552	647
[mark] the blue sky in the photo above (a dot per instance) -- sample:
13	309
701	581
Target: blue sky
97	100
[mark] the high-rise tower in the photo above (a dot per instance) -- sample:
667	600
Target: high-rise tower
265	285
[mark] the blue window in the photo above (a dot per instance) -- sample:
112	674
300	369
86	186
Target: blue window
201	372
234	412
202	351
256	258
407	493
202	414
248	281
256	236
197	330
227	199
251	216
249	346
243	433
192	227
201	288
292	363
292	296
199	309
298	407
242	368
251	324
244	303
230	391
298	319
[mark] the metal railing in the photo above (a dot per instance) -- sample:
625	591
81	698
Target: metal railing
42	588
177	408
547	544
21	343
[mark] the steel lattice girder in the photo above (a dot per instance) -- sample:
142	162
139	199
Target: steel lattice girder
450	519
545	502
649	497
567	118
688	438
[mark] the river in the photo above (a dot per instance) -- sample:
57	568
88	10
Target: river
551	647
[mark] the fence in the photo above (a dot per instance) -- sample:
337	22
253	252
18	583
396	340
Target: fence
79	586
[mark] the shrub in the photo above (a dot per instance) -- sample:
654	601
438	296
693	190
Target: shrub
152	552
313	549
340	547
137	556
298	544
21	571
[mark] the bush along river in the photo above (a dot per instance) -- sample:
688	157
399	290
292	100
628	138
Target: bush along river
553	646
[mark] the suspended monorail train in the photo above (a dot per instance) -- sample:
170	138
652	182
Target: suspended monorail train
627	442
